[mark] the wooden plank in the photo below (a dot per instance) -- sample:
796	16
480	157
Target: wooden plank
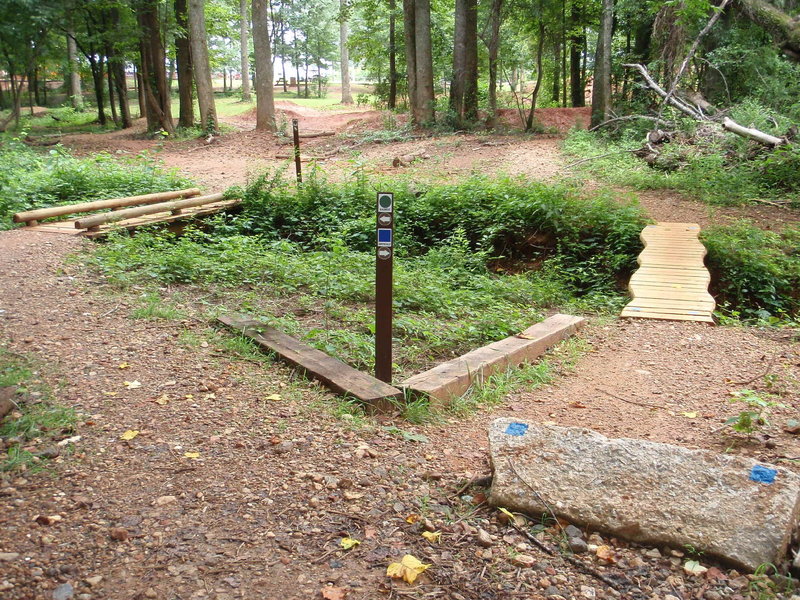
672	280
451	379
333	373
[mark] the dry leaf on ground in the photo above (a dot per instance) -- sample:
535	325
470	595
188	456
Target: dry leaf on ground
129	435
408	569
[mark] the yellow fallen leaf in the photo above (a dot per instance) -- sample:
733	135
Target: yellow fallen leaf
109	393
412	518
606	553
209	397
163	399
132	385
191	455
189	396
506	512
273	397
123	365
408	569
129	435
690	415
432	536
348	543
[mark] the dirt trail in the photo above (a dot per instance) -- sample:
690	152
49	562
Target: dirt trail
279	482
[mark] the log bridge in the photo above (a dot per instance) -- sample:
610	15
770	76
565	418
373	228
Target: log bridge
124	213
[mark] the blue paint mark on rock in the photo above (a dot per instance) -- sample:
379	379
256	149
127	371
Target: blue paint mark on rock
517	429
763	474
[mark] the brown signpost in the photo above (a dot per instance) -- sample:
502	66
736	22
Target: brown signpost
296	136
384	254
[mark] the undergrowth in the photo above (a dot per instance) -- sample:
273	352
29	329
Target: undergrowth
37	419
33	178
715	168
474	262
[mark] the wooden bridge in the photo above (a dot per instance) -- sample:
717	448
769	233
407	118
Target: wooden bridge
672	280
163	207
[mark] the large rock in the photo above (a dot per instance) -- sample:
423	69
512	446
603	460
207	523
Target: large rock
734	508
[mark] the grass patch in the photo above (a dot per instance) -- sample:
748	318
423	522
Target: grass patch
37	421
154	307
35	179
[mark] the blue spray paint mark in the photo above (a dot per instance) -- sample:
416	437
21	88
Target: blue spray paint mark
763	474
517	429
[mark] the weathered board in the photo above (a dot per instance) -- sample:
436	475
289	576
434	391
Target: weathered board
451	379
672	281
333	373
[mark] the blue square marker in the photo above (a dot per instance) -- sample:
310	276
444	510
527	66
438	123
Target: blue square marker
384	237
763	474
516	429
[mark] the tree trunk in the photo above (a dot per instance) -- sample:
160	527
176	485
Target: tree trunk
784	28
140	92
265	100
244	51
601	90
458	83
409	28
110	78
576	81
183	55
344	58
556	70
425	104
201	67
537	87
97	79
74	79
154	73
392	103
493	48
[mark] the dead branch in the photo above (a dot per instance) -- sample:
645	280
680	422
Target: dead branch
728	124
407	159
714	18
657	120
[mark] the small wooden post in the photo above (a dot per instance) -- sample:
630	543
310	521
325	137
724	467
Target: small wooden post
296	135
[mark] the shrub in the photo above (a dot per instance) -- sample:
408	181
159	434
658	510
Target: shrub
756	272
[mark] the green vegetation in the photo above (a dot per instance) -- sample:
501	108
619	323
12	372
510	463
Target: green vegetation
755	273
722	170
33	179
754	417
475	262
37	420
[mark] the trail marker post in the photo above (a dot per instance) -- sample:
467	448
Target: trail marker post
296	139
384	254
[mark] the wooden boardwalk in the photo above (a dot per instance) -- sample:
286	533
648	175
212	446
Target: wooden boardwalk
672	281
68	227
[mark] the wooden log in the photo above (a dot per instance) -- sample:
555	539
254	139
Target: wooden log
338	376
69	209
316	134
120	215
753	134
451	379
406	159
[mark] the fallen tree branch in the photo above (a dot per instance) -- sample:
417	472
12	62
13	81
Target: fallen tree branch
657	120
754	134
714	18
728	124
583	160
